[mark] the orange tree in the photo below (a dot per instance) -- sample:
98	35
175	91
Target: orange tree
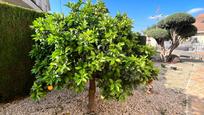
89	46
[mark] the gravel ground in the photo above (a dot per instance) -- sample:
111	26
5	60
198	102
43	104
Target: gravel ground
162	101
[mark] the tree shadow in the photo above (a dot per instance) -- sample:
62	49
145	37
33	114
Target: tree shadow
191	60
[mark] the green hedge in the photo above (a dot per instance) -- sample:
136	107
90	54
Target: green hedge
15	44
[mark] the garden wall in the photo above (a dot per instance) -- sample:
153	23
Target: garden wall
15	44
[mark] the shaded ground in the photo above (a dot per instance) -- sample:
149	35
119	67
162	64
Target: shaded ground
177	92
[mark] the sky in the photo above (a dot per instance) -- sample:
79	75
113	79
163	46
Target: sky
144	12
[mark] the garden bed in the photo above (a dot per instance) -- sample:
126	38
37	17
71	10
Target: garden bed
162	101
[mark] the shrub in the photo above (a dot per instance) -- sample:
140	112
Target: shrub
15	43
89	45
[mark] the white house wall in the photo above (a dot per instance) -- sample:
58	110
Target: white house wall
151	41
200	38
41	5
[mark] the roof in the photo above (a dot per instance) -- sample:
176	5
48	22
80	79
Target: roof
200	22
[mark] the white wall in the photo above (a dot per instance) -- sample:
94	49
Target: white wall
151	41
200	38
38	5
43	4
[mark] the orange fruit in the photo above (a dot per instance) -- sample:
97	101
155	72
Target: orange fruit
50	87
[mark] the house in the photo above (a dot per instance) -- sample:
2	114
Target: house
40	5
200	26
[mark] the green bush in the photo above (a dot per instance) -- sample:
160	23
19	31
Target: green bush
15	44
89	46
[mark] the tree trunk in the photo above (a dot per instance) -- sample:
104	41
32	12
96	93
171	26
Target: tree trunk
173	46
162	53
92	91
165	55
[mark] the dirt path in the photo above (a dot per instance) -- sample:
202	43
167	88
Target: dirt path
190	78
196	89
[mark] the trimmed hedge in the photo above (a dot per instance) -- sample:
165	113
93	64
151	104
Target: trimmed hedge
15	44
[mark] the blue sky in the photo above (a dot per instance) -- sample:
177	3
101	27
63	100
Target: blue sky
143	12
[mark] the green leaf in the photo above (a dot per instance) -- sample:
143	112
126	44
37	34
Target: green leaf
118	60
56	53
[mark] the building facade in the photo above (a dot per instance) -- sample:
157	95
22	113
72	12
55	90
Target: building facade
40	5
200	26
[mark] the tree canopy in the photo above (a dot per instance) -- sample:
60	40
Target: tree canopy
158	33
180	23
89	44
176	20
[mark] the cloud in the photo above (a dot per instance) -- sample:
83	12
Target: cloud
157	17
195	10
